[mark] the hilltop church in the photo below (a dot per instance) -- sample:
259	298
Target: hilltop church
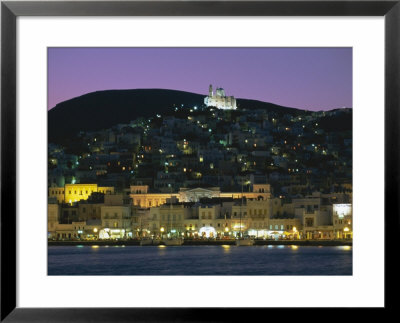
219	100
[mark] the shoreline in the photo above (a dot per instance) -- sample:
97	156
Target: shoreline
315	243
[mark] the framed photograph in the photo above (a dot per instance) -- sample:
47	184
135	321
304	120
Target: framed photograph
161	159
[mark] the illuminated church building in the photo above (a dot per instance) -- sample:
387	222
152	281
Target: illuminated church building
219	99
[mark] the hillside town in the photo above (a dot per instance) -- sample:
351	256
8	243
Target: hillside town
215	171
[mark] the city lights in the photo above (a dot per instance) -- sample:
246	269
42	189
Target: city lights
181	170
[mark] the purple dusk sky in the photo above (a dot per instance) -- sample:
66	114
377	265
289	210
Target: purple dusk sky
306	78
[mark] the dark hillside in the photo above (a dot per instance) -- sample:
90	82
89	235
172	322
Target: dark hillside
104	109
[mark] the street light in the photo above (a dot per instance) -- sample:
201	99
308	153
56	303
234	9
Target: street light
294	231
162	231
226	229
346	229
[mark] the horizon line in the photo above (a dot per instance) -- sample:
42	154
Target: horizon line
130	89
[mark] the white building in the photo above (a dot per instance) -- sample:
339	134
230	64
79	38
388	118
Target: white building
342	221
219	99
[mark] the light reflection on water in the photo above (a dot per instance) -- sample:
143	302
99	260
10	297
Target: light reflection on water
200	260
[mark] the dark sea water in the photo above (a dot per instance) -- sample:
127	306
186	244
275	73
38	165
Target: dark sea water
199	260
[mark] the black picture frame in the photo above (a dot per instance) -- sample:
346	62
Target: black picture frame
11	10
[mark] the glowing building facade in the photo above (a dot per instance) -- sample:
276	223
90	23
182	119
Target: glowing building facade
71	193
342	221
219	99
141	197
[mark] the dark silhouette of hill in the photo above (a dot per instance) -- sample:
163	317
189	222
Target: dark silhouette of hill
104	109
270	107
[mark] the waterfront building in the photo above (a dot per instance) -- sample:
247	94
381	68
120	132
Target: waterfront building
279	228
201	213
141	222
141	197
71	193
89	210
69	213
147	200
116	222
68	231
343	221
258	212
53	218
92	229
195	194
171	218
210	218
317	224
315	213
219	99
116	217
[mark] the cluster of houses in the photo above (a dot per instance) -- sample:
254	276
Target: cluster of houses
224	146
201	172
198	213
